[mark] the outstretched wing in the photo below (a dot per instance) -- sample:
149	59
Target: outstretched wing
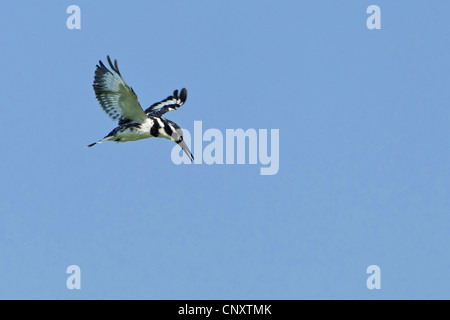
117	99
170	103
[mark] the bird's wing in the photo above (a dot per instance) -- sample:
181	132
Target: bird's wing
172	102
117	99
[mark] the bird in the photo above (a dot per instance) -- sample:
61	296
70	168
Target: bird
121	103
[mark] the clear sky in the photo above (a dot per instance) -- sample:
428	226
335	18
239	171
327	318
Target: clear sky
364	175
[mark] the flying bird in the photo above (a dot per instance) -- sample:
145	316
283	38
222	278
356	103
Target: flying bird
120	102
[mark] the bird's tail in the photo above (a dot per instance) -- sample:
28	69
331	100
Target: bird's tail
93	144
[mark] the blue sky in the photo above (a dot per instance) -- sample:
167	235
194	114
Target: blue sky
364	173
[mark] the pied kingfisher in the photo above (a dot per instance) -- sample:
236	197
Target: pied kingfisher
121	103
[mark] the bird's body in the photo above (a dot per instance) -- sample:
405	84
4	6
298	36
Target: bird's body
129	132
121	103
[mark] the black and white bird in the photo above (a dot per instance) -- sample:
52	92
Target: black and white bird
121	103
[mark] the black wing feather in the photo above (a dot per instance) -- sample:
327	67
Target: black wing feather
172	102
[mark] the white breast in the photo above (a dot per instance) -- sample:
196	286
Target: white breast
133	133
